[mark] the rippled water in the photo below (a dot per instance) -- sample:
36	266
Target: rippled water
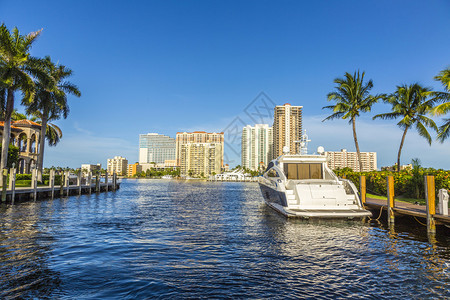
174	239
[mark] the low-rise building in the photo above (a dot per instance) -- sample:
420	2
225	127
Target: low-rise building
117	164
86	168
134	169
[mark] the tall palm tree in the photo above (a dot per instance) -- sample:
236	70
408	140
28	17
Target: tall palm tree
411	103
51	104
16	70
442	109
352	96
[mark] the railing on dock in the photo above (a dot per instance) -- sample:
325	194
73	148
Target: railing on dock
69	185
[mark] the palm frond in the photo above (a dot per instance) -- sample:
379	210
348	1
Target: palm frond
444	131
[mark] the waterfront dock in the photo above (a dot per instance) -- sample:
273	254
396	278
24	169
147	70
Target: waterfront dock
426	215
70	185
405	209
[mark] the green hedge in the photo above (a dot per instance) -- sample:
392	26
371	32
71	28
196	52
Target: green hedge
409	183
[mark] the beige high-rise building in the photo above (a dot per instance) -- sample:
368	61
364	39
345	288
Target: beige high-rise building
257	146
287	129
343	159
199	152
117	164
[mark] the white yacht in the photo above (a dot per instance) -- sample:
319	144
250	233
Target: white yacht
303	186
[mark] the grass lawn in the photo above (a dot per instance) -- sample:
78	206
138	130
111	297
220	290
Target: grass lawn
398	198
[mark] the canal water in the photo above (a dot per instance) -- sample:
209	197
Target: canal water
176	239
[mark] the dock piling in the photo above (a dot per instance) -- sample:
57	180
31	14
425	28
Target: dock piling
4	185
12	183
97	182
52	182
106	180
89	182
34	183
67	179
431	203
79	183
390	199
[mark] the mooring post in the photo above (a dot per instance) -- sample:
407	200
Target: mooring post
34	183
431	203
61	185
12	183
67	179
79	183
362	188
90	181
114	181
5	184
52	182
97	182
390	199
106	181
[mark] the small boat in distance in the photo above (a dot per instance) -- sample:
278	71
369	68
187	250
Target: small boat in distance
167	177
302	186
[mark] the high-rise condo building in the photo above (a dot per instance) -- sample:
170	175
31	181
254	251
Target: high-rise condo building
199	152
156	148
287	129
117	164
343	159
257	146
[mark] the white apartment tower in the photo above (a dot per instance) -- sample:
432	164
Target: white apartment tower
117	164
257	146
343	159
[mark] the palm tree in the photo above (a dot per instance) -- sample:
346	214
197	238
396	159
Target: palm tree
51	104
411	103
16	69
352	97
444	130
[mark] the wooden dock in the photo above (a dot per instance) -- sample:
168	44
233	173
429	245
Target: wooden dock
405	209
83	185
46	192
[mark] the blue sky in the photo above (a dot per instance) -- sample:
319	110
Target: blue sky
168	66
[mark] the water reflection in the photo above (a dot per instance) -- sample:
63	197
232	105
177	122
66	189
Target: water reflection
172	239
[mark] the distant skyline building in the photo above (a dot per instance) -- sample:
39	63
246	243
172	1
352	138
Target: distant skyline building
344	159
117	164
134	169
200	152
287	128
257	146
156	148
86	168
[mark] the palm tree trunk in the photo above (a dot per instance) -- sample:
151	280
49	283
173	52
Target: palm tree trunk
40	162
400	149
356	144
6	131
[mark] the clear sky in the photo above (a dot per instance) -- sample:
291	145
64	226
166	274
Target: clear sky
168	66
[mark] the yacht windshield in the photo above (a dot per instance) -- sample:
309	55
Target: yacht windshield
303	171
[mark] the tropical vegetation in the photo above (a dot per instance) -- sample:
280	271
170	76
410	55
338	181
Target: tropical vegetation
442	109
43	85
